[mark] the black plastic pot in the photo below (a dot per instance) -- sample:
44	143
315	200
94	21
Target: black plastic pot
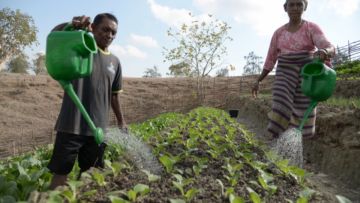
233	113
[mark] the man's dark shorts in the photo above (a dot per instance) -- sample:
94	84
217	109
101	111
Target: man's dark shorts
68	147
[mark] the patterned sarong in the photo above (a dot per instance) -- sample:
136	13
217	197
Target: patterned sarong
289	103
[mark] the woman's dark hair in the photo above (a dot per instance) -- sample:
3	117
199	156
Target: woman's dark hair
98	18
305	1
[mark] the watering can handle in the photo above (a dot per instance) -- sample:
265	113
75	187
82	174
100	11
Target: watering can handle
70	27
317	60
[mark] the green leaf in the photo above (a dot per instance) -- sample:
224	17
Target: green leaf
89	193
68	194
151	177
255	198
179	178
302	200
298	173
7	187
7	199
263	183
99	178
23	175
167	162
190	194
177	201
142	189
179	186
229	190
115	199
236	199
265	179
221	186
131	195
342	199
307	193
36	175
54	197
74	185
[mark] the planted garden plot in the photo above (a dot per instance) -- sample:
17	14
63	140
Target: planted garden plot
205	156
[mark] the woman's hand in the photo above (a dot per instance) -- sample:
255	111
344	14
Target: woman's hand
81	23
123	126
255	89
322	54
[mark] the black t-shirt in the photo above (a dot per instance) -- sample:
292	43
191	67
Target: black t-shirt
95	94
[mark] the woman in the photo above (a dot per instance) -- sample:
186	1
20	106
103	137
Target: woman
292	46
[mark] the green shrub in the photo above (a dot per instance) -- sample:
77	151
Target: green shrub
351	67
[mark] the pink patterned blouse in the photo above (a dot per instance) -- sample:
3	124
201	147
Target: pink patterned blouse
306	39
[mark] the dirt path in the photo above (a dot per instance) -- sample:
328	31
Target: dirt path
256	123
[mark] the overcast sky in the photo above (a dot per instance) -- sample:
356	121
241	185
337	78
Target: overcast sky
143	24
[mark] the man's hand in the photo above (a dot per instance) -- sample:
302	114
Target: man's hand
81	23
255	89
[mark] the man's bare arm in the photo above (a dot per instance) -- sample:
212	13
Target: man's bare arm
116	106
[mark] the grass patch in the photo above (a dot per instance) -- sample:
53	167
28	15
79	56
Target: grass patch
343	102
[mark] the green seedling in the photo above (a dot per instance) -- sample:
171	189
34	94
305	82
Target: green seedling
192	142
233	171
342	199
70	193
230	192
139	189
201	163
55	197
115	199
255	198
191	193
99	178
169	161
115	167
7	190
222	188
180	184
305	195
298	173
235	199
265	181
177	201
151	177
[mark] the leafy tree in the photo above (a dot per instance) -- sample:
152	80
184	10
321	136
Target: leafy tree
39	63
180	69
224	72
17	30
152	73
19	64
201	44
253	64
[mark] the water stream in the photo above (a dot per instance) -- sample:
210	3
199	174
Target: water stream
138	151
289	146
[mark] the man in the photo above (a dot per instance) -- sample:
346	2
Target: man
97	92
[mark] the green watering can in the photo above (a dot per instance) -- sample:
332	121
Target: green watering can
318	84
69	56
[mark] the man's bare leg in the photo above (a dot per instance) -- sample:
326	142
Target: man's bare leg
57	180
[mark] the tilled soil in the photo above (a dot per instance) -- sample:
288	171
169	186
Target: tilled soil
212	180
